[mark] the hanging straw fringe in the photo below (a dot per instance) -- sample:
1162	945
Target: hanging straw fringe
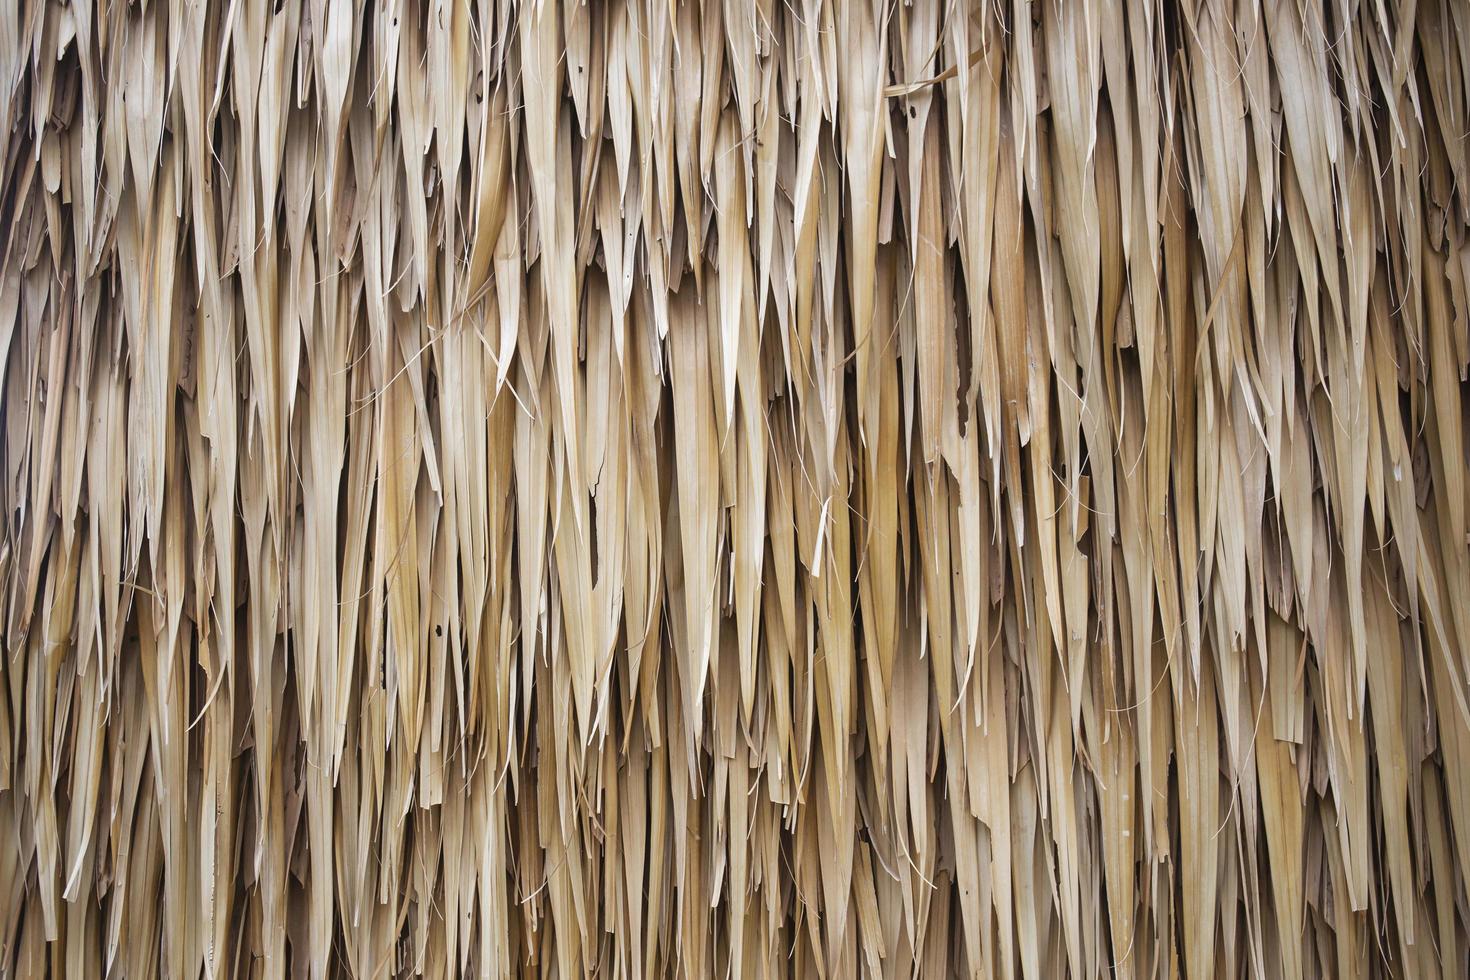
753	489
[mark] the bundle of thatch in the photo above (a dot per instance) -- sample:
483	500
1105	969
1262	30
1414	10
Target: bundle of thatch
765	488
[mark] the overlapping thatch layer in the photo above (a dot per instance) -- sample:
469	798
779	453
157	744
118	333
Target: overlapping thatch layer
749	489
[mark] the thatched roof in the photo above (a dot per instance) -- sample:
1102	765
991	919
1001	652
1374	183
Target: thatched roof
806	488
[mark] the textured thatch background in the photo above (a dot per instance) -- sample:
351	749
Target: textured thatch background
772	488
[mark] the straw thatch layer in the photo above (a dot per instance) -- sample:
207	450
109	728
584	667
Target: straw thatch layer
762	488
